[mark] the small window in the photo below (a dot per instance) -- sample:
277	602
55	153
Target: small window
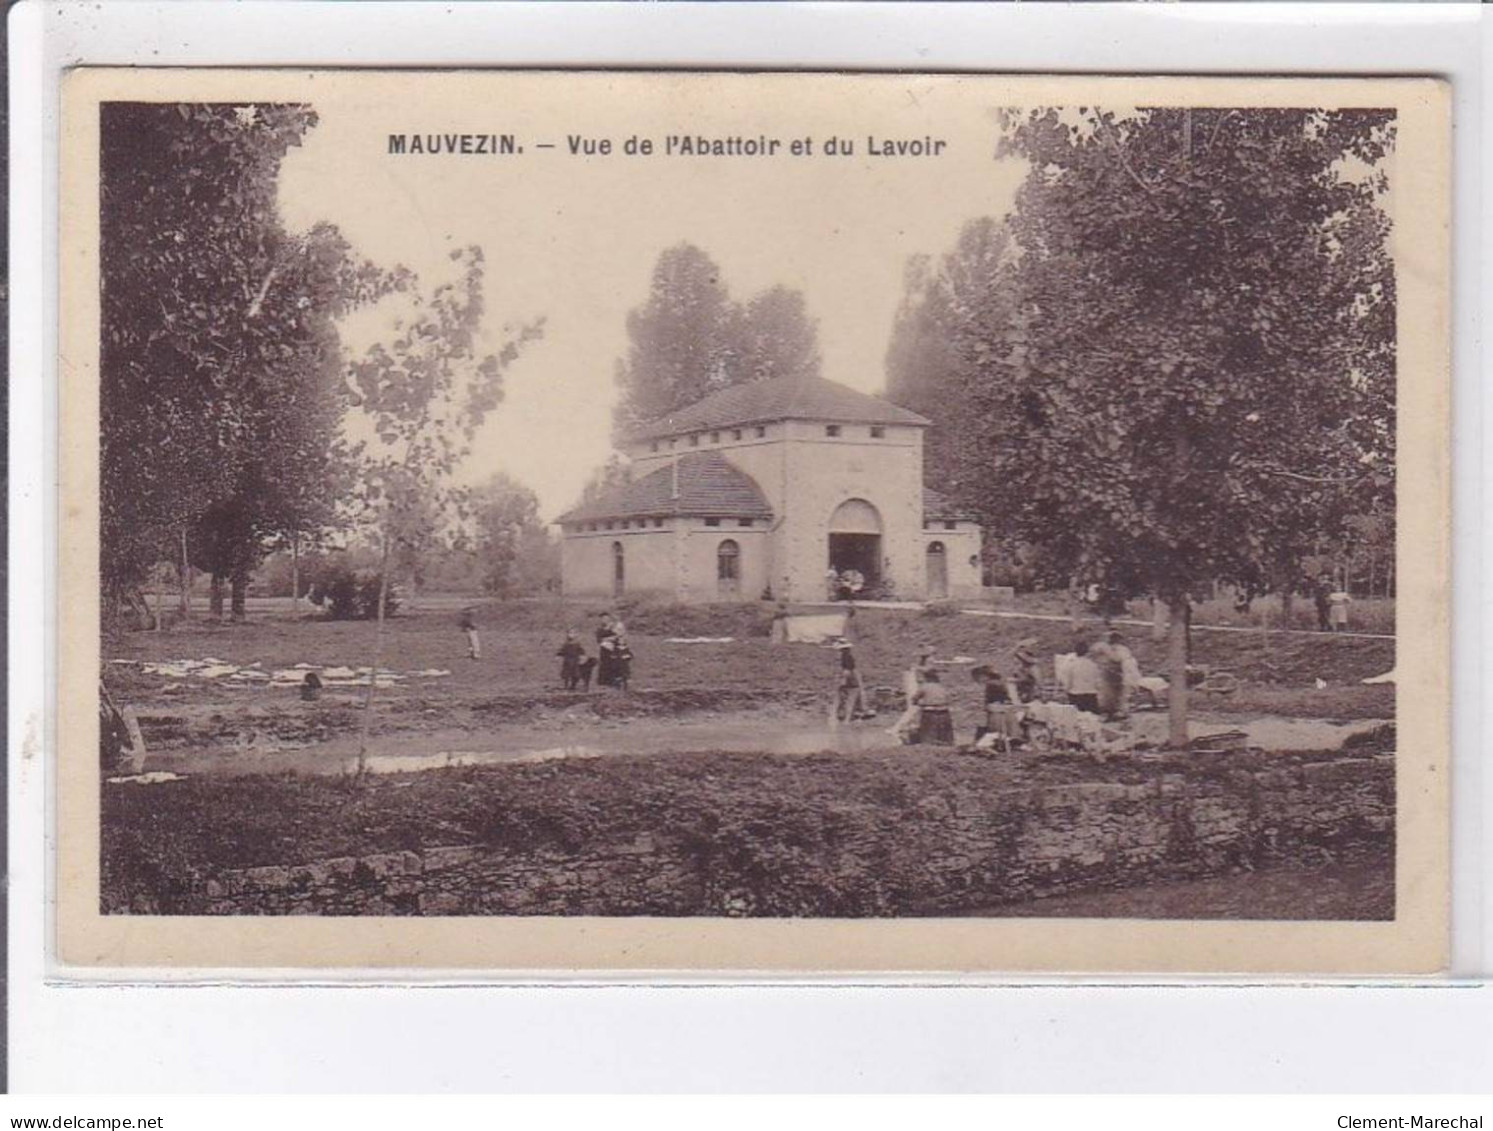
831	429
728	568
712	522
744	522
736	433
694	441
591	526
950	525
673	444
878	432
715	437
658	522
609	526
761	430
653	447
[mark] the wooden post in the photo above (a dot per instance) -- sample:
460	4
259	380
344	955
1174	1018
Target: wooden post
160	601
186	577
378	653
1176	697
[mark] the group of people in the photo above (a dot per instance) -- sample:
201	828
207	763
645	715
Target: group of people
1331	603
1095	680
612	664
610	667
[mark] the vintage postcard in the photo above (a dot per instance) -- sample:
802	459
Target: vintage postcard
753	523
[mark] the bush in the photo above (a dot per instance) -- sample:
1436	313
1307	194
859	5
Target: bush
347	594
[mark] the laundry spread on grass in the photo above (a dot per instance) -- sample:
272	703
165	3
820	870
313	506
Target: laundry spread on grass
256	673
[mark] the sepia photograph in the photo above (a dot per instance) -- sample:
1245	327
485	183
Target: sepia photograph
1001	521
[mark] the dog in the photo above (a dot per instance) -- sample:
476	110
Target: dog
584	670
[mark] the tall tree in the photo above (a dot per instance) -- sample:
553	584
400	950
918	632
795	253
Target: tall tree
690	339
1205	300
424	395
952	335
216	320
772	335
679	338
614	473
506	515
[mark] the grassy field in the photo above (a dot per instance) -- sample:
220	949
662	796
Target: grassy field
1278	671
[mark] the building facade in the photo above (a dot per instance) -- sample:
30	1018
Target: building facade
758	491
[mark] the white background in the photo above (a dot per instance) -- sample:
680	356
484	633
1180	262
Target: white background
1047	1037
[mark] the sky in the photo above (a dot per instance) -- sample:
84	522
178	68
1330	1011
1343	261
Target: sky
574	239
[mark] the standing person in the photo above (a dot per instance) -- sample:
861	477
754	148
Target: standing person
935	723
621	662
779	632
1083	681
1025	669
605	635
1000	706
1129	672
850	692
1321	598
912	682
1337	615
848	630
832	583
469	627
571	653
1111	675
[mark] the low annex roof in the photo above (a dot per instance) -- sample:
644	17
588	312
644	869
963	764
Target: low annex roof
936	508
779	398
708	486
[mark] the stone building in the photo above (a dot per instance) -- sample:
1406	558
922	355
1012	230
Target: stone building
760	489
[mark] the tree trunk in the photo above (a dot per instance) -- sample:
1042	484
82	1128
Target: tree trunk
186	577
1176	698
1158	619
295	575
1287	606
240	592
160	601
215	596
378	655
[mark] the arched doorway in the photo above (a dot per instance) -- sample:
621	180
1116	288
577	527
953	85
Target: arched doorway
728	568
855	541
938	571
619	570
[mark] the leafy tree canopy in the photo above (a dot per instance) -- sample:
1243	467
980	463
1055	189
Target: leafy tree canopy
690	339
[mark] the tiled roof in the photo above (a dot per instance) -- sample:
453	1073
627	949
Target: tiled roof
709	486
936	508
779	398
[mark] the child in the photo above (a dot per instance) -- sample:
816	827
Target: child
571	655
935	723
850	694
1026	669
912	682
621	662
1001	715
469	626
1337	615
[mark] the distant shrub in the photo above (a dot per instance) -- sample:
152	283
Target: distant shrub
348	594
940	609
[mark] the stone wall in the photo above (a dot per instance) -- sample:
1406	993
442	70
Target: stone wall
943	853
